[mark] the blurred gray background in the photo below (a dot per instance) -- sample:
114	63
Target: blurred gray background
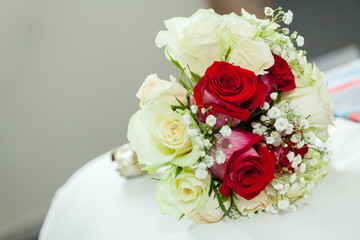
69	71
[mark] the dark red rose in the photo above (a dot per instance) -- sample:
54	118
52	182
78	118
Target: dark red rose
281	152
231	91
249	165
279	74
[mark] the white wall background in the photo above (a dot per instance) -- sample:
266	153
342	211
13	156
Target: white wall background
69	71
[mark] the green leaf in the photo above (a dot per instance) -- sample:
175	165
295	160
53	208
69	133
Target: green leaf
178	171
182	215
194	77
227	54
176	63
157	179
221	203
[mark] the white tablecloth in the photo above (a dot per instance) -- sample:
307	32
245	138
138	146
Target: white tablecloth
97	203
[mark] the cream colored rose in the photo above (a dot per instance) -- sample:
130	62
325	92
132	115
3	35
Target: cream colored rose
252	55
211	212
182	192
314	101
127	159
238	26
259	203
167	91
193	41
158	135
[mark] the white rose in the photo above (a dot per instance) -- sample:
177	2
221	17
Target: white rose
211	212
252	55
238	26
259	203
167	91
314	101
126	160
158	135
182	192
193	41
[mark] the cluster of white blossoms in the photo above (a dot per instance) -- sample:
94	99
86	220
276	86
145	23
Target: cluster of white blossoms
282	42
205	139
283	124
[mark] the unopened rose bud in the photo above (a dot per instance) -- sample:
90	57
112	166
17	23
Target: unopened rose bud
127	160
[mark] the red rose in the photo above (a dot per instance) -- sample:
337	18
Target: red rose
249	165
279	74
230	90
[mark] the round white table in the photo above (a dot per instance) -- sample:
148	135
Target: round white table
97	203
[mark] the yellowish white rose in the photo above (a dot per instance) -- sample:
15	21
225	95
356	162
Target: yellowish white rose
266	198
182	192
253	55
158	136
314	101
193	41
211	212
167	91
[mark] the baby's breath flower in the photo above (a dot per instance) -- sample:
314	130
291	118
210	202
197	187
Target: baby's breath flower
281	124
285	31
304	123
203	110
302	180
292	56
288	17
283	204
278	186
201	173
270	140
210	120
292	177
268	11
274	113
302	167
285	189
194	109
295	138
255	124
300	41
207	143
186	119
296	161
277	50
294	35
220	157
291	156
289	129
274	134
300	144
264	118
310	186
265	106
225	131
274	95
209	161
193	132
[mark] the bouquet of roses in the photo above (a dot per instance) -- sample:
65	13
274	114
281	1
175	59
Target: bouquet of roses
242	130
